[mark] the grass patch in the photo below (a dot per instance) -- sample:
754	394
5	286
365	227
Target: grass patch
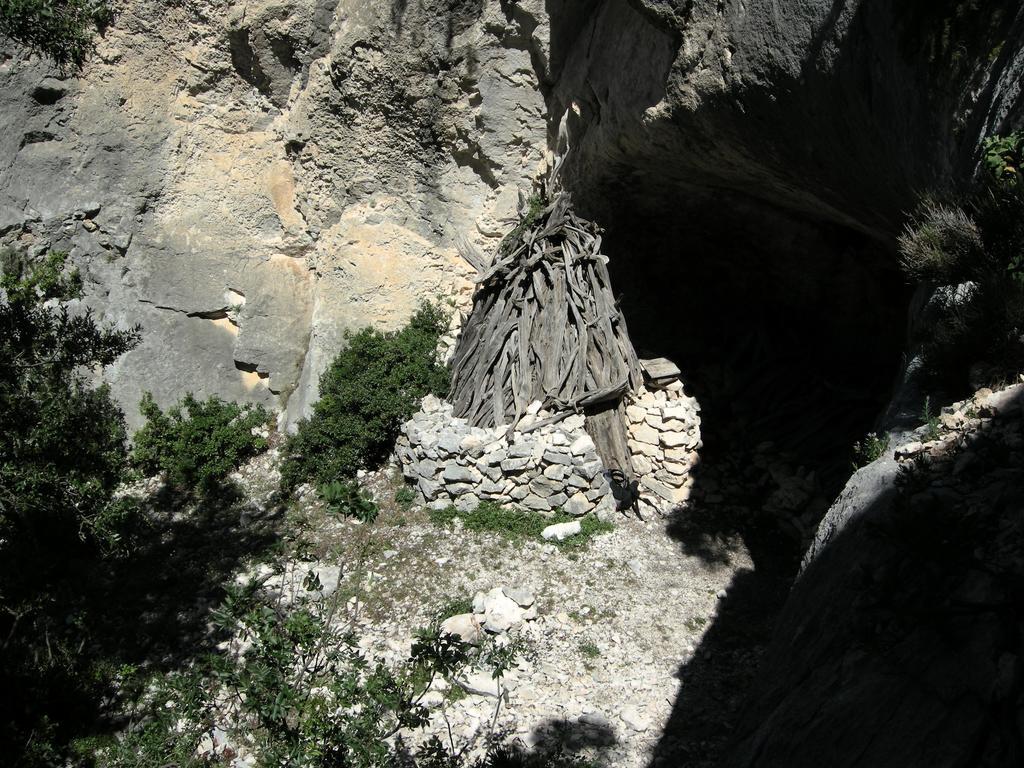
404	497
453	607
519	524
696	624
589	650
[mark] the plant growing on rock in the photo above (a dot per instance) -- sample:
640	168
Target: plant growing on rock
198	443
61	29
941	243
373	385
1003	157
348	499
930	421
870	449
973	251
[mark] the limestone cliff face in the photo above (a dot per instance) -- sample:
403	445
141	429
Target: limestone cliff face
248	180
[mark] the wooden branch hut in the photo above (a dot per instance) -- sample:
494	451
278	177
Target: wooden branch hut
545	326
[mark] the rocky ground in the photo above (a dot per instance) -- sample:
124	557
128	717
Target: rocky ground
614	619
639	645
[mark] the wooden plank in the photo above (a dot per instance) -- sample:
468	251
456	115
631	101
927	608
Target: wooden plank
660	368
607	427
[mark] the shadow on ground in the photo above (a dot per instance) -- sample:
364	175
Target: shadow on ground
152	608
716	678
558	743
116	619
898	646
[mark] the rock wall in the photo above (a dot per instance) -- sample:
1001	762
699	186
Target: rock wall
553	465
249	180
907	613
837	111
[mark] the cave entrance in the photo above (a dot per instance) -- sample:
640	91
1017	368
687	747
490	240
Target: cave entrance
787	328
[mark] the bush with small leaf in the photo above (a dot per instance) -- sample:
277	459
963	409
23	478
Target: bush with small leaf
373	385
62	454
1004	157
197	443
295	688
61	29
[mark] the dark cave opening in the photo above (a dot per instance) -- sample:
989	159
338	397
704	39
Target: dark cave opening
788	329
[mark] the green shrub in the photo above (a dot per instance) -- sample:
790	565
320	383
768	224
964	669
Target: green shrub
1000	211
165	735
304	692
61	29
1003	157
62	452
198	443
62	442
373	385
348	499
300	691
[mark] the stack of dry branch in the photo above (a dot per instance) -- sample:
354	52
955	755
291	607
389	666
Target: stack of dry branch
545	326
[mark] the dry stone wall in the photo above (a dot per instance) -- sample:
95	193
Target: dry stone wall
554	466
664	438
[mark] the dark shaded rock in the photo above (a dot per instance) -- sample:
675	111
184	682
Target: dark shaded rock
900	643
843	111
